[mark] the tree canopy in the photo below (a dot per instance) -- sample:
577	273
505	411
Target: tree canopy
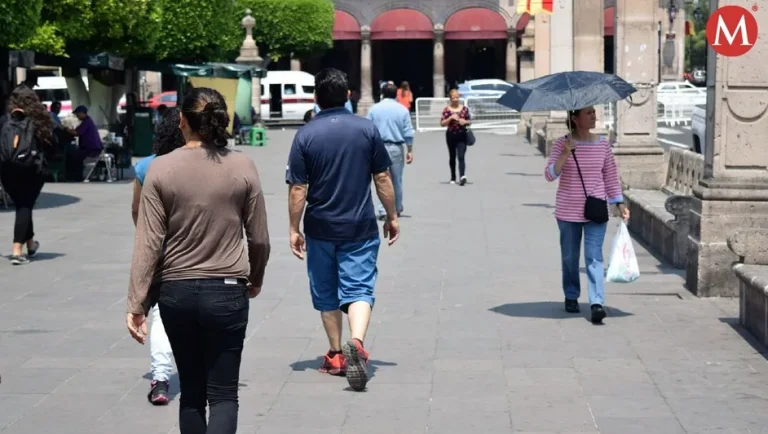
124	27
696	45
291	26
194	30
178	30
19	19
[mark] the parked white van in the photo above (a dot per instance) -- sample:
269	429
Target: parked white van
50	89
287	95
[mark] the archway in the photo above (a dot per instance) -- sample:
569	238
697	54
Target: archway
402	48
475	45
345	53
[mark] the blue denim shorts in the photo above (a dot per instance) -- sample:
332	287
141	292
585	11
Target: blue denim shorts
341	273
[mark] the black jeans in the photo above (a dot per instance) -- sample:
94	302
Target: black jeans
457	148
23	186
205	321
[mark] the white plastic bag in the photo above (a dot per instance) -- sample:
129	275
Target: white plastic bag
622	267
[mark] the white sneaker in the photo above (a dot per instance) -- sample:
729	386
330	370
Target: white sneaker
463	180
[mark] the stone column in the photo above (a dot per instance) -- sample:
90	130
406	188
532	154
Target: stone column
540	65
675	46
438	59
366	86
733	192
560	60
512	55
638	154
527	72
249	55
588	42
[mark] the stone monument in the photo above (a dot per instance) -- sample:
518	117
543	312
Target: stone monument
249	55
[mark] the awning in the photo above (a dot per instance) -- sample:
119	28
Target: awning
345	27
476	23
608	24
402	24
522	22
82	60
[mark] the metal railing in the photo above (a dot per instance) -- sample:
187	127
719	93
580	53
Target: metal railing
673	108
486	114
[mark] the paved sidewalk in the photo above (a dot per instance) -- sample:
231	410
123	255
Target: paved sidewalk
468	334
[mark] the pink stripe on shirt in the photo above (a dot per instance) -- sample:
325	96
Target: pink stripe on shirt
601	178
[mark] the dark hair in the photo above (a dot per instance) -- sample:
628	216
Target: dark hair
405	86
569	122
389	91
25	99
162	108
331	88
169	136
206	113
55	104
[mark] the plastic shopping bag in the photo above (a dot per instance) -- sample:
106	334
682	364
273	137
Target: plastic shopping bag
623	266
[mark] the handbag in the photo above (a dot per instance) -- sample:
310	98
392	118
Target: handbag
470	137
595	209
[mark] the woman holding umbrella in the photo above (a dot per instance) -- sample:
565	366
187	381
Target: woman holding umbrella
590	178
589	182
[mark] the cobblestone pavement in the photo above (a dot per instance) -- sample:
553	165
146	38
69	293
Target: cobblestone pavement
468	334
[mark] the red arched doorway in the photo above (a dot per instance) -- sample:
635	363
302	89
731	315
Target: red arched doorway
402	48
475	45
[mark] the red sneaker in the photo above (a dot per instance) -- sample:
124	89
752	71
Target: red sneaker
334	364
357	364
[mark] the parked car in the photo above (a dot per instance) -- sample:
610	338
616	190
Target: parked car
699	128
485	87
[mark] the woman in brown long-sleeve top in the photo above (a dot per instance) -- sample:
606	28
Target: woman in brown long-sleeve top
195	203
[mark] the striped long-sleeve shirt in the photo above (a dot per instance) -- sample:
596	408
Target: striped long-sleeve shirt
601	177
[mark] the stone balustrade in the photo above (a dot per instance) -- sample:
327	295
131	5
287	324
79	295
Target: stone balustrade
751	245
661	218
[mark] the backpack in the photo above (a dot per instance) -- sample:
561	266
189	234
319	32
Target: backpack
18	145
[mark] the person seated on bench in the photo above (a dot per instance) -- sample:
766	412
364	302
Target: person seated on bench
90	144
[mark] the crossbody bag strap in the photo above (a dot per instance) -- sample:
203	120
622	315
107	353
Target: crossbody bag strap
581	178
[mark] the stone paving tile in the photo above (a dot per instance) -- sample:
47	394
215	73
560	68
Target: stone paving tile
468	333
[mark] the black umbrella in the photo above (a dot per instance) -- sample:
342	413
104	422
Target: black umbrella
566	91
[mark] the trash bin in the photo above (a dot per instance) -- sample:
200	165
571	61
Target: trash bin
143	131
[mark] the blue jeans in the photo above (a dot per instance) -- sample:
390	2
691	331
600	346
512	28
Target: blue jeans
397	155
570	249
341	273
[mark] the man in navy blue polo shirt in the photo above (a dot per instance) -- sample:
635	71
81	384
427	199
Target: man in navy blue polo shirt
330	167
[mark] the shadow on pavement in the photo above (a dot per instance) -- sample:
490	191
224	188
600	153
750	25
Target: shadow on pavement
314	364
540	205
746	335
47	200
550	309
523	174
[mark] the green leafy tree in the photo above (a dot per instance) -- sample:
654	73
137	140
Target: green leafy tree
696	45
124	27
290	26
197	31
18	20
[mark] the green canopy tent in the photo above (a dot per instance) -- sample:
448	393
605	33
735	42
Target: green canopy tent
243	73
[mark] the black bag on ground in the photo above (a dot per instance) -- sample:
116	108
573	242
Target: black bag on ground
595	209
18	145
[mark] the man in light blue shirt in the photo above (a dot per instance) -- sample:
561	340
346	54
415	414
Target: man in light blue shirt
393	121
